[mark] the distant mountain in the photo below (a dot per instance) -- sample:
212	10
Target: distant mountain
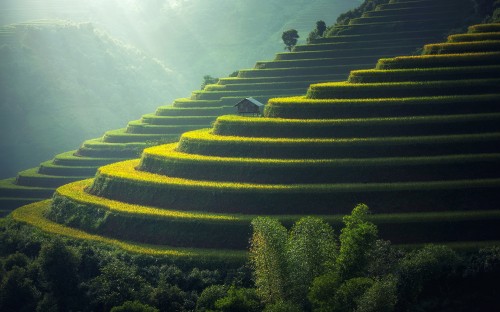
64	82
193	37
61	83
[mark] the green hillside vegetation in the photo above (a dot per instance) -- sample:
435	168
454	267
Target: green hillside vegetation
312	266
63	82
289	74
429	175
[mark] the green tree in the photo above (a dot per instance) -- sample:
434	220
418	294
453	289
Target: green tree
283	306
338	286
311	250
208	297
59	268
134	306
267	254
207	79
425	269
320	28
323	290
17	291
168	297
117	283
289	38
348	294
357	240
16	259
380	297
239	300
317	32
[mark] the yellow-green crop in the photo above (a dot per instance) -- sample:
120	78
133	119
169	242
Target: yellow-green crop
76	192
33	214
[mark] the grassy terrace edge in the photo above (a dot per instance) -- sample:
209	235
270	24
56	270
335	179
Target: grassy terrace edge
301	107
125	171
33	215
113	218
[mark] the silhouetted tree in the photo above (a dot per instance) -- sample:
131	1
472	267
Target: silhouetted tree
290	38
320	28
207	79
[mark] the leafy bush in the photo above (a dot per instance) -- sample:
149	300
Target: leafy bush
207	80
283	306
133	306
239	300
208	297
317	32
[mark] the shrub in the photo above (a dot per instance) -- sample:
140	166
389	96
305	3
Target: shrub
134	306
283	306
208	297
381	296
422	269
239	300
207	79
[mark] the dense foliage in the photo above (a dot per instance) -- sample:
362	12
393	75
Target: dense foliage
207	79
317	32
46	273
305	269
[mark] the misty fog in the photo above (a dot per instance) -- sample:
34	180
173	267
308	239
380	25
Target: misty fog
69	70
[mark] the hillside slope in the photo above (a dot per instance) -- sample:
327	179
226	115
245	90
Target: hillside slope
326	59
416	138
62	82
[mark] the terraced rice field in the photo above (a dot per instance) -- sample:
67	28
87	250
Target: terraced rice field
427	162
385	32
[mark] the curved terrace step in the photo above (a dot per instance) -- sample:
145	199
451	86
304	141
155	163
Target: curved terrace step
424	74
303	107
32	177
357	127
346	90
165	160
174	227
193	195
203	142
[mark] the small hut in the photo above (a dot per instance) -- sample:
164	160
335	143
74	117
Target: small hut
250	106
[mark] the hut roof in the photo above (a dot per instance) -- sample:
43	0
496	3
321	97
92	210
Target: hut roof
252	100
